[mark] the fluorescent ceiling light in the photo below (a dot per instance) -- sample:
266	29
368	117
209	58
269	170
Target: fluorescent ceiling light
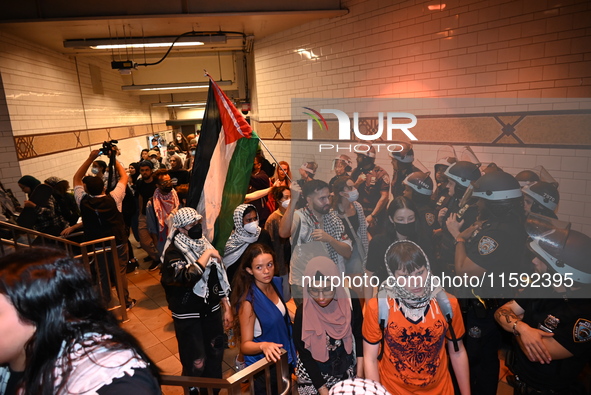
144	42
180	104
170	86
154	45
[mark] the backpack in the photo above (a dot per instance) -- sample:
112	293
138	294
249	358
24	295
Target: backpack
442	301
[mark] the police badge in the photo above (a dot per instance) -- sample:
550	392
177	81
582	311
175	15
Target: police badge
550	324
582	331
487	245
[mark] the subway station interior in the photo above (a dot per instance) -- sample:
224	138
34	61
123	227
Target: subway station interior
510	79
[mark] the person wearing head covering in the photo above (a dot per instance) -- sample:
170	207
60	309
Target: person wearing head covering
406	351
197	291
327	330
358	386
247	230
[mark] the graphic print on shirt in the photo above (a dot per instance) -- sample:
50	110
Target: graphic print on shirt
414	351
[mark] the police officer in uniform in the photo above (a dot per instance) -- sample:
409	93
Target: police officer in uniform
541	198
493	245
552	335
372	182
446	156
460	176
401	167
342	166
418	187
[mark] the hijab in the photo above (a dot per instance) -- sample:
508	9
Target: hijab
29	181
333	320
240	239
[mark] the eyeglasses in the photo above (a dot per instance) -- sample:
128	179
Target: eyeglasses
327	292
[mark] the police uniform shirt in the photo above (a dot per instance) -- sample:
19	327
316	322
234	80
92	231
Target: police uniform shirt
468	214
377	180
570	321
498	247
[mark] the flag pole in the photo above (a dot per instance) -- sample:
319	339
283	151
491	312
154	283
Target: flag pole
261	141
273	156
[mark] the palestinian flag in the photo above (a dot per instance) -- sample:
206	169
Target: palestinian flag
222	167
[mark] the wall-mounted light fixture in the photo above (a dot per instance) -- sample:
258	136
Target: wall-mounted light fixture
145	42
169	86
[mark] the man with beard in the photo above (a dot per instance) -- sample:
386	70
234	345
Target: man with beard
160	209
372	182
145	190
315	230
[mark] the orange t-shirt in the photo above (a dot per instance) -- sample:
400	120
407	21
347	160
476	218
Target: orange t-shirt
414	360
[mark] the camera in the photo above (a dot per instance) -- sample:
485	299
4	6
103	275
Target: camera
107	148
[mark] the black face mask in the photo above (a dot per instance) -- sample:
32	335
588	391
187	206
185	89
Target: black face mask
166	190
407	230
196	232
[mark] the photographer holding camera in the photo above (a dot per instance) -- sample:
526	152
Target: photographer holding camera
102	217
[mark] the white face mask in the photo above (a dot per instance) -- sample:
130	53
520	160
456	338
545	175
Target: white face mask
285	203
251	227
94	170
353	195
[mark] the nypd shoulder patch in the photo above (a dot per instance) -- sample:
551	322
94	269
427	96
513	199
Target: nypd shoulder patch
582	331
487	245
430	218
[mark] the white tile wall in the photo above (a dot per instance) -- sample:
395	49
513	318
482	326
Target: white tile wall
42	95
470	49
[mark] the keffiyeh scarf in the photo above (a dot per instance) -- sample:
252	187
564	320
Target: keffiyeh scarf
240	239
193	249
163	205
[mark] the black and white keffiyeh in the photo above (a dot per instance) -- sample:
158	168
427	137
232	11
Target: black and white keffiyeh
411	303
193	249
240	239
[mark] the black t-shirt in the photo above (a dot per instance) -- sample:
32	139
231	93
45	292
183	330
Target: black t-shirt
257	182
145	191
570	321
142	382
179	177
377	181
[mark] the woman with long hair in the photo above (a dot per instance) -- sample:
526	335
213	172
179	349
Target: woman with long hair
263	318
406	352
56	337
327	330
282	177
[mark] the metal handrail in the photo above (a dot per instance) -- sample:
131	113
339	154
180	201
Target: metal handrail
88	249
233	383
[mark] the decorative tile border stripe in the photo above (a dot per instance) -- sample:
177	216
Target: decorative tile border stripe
32	146
557	129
